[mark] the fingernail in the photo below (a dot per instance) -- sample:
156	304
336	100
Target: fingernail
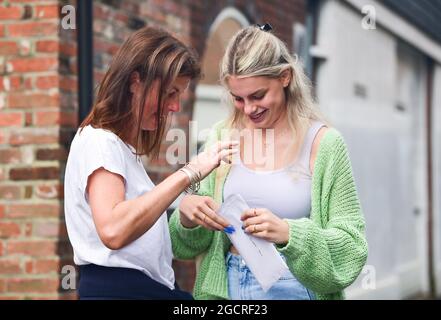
230	229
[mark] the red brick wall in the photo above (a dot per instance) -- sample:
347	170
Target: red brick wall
34	116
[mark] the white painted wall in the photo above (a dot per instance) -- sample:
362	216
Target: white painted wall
387	146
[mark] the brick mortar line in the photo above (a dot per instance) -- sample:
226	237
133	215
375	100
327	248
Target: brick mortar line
45	145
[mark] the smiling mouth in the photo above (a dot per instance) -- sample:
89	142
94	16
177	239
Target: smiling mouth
258	116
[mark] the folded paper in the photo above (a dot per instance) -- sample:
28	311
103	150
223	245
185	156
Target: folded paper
260	255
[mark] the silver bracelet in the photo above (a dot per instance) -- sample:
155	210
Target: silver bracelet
194	181
194	177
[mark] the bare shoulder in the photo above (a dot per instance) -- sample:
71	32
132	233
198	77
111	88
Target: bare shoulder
315	146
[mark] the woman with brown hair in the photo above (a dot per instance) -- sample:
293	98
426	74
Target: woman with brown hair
114	213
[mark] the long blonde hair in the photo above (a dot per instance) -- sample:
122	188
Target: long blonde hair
253	52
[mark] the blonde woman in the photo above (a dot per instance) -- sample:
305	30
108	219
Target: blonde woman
303	199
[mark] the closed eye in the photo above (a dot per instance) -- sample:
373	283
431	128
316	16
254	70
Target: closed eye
258	95
172	94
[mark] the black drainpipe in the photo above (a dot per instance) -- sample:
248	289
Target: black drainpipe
85	57
430	240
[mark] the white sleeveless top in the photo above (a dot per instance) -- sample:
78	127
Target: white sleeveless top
286	192
151	253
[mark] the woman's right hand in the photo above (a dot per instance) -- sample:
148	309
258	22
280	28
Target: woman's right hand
201	210
211	158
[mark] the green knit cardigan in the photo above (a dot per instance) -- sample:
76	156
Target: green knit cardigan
326	252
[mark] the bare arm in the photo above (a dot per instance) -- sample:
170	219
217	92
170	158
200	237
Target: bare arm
119	221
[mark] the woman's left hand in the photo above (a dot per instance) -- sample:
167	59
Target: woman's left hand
262	223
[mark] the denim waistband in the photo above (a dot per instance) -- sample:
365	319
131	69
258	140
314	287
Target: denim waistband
233	259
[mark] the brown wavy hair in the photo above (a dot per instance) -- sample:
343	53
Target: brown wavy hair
155	55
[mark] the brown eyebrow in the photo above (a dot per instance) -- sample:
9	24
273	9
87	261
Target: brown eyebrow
262	91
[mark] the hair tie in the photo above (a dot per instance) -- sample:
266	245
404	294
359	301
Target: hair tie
266	27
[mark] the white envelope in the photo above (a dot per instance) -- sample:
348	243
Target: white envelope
260	255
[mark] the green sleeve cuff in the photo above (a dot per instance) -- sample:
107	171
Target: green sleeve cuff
298	236
188	234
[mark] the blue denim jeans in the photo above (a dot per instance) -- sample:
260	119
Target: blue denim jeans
242	285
